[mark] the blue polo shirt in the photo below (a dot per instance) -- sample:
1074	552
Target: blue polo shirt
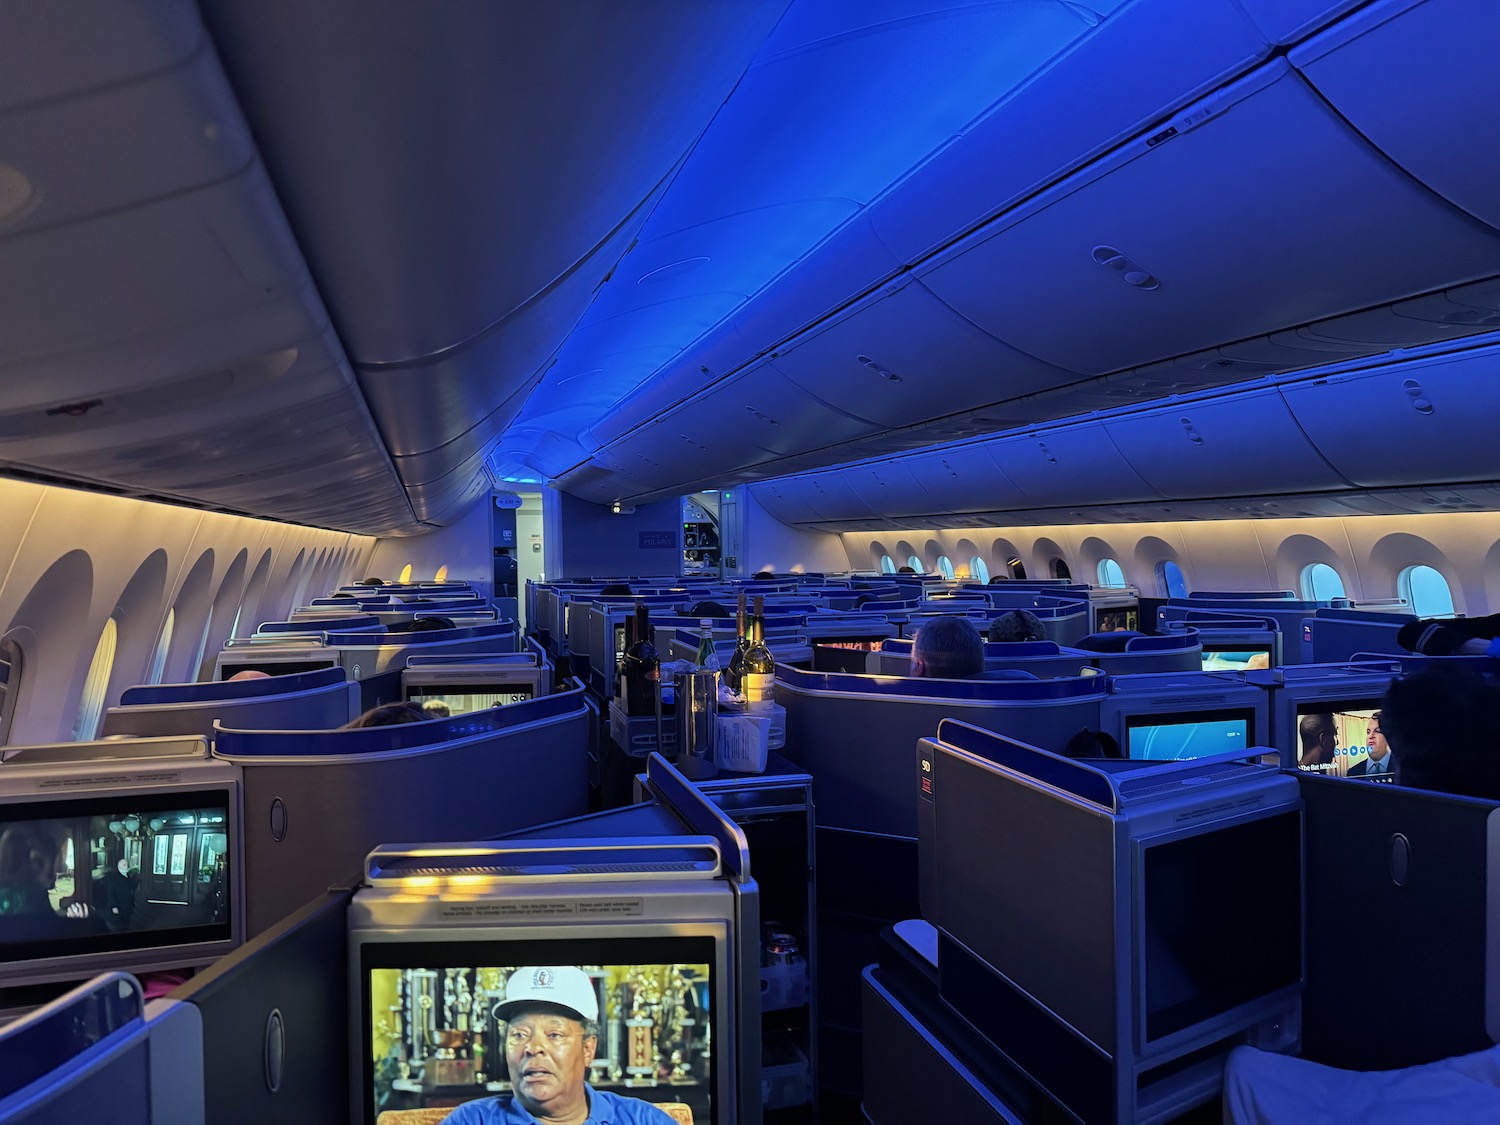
604	1109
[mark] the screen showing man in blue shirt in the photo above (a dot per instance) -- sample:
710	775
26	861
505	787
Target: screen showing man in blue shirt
551	1016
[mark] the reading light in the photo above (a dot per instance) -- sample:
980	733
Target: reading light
620	509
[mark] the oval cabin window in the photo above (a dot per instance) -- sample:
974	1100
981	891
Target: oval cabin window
978	569
163	646
1169	579
10	685
945	565
96	684
916	564
1017	569
405	576
887	565
1426	591
1060	569
1320	582
1110	573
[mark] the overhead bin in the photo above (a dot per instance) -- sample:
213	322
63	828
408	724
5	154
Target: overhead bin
1432	107
1248	441
890	488
826	495
1249	212
1066	466
167	130
77	49
903	356
1286	21
1426	420
1138	63
965	479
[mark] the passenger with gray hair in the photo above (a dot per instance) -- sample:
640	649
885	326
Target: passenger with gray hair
947	648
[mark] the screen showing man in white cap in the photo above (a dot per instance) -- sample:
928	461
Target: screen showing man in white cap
551	1015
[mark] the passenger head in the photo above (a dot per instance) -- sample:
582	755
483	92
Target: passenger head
388	715
371	582
947	648
906	570
29	855
429	625
706	609
1443	725
1017	625
249	674
996	579
437	709
1317	736
551	1016
341	597
616	590
764	576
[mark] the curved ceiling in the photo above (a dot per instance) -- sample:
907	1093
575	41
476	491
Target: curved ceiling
347	264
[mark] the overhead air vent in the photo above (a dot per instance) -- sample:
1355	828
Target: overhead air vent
1129	271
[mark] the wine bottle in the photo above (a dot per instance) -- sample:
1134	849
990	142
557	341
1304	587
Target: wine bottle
640	668
760	665
627	640
734	675
706	660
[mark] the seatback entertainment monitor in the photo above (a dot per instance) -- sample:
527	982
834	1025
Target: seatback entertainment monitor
127	864
458	689
647	962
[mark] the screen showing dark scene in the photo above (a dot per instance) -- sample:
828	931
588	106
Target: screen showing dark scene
436	1038
1238	658
99	873
1222	920
1118	620
1164	738
441	700
274	667
1342	739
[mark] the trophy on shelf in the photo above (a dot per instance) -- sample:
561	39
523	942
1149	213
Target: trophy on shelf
450	1064
642	1053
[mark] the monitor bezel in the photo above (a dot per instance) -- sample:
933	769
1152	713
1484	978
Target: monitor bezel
544	945
1135	720
39	798
530	680
1325	705
1272	1000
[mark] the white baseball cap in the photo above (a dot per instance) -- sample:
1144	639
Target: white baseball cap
563	985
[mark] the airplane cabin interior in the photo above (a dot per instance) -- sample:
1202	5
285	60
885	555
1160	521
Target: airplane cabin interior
749	561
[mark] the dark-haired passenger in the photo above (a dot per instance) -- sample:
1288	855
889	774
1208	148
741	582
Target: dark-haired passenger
947	648
1443	724
1018	625
427	625
388	715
